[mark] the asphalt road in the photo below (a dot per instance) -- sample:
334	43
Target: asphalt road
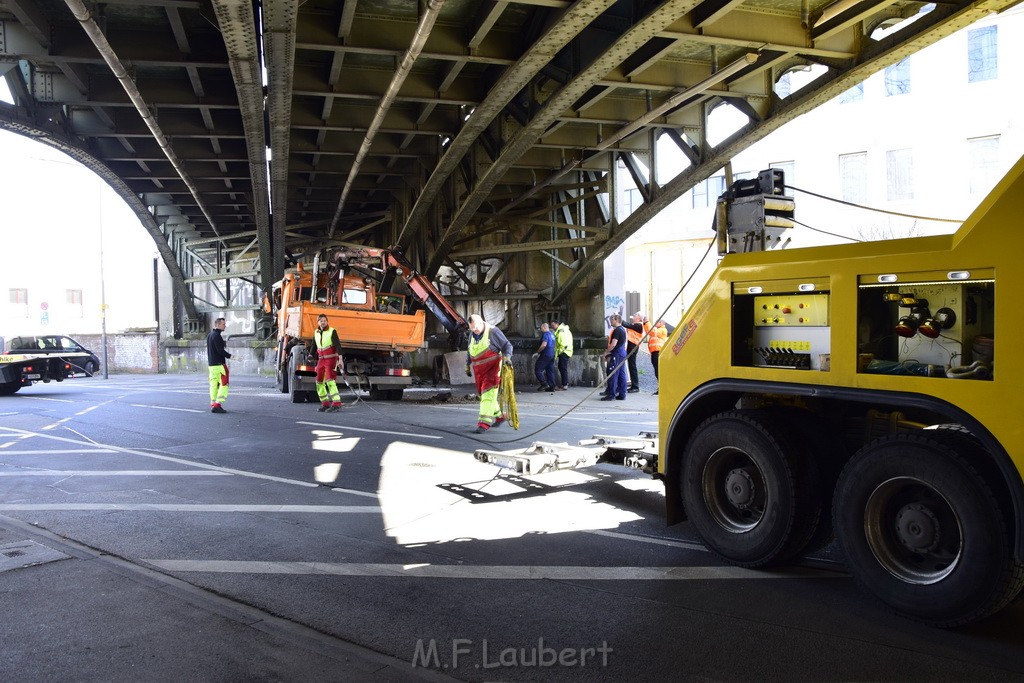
278	543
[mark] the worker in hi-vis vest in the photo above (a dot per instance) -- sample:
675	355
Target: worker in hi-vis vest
329	360
488	349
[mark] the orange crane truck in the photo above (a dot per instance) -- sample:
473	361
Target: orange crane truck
377	329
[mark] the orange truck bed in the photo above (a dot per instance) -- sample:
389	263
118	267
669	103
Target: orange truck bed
360	329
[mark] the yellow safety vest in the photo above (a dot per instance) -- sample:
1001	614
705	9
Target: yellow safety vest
478	347
324	340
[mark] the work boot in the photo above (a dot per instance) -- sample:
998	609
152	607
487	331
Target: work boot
480	429
333	409
217	409
633	390
323	409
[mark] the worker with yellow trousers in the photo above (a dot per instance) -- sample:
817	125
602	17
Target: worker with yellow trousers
217	359
328	349
488	349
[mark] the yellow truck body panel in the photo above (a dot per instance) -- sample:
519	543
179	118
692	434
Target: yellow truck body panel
856	388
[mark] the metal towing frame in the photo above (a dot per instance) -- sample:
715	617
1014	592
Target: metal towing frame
636	452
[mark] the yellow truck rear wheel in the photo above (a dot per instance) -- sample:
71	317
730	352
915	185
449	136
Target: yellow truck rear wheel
923	531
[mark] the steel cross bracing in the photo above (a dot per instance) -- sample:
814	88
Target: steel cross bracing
480	137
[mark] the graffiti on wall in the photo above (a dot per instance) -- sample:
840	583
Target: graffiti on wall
613	305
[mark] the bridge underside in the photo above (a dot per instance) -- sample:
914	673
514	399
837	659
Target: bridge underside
480	137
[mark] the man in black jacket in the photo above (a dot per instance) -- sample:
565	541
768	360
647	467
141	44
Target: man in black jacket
217	358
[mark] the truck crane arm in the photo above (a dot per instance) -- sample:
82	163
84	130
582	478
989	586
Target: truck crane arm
425	293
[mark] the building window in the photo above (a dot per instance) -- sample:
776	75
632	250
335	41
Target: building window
899	175
74	303
18	307
631	200
983	163
854	94
853	174
982	54
706	193
897	78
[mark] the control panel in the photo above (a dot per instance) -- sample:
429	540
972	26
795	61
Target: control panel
793	310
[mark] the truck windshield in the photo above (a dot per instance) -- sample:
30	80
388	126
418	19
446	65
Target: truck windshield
353	296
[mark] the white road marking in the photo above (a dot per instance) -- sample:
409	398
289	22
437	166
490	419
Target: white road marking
497	572
45	398
180	507
642	539
184	410
115	473
372	431
180	461
60	451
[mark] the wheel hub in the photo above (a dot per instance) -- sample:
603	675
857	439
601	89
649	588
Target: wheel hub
918	528
739	488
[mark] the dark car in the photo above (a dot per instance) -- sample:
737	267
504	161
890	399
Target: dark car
57	344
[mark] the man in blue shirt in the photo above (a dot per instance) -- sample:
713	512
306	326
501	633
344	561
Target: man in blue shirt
545	357
615	356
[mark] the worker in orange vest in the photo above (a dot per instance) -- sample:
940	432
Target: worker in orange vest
635	330
655	341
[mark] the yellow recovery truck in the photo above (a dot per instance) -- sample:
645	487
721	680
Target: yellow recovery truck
846	392
852	390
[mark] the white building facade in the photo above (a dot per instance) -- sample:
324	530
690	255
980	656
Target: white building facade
928	137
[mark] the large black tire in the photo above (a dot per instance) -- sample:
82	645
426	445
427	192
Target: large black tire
747	490
9	388
293	393
395	394
923	531
90	368
282	373
377	394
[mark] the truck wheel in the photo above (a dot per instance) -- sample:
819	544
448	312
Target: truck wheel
378	394
282	373
9	388
395	394
744	490
90	368
295	395
922	530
